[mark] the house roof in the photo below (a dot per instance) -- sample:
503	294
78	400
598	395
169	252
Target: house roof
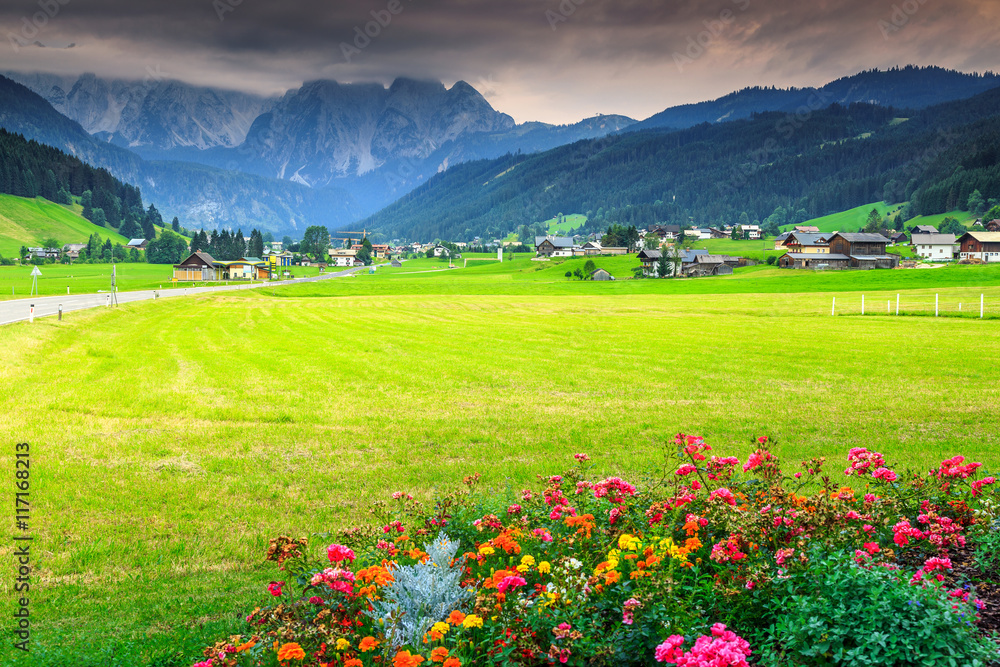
871	257
599	270
859	237
650	254
782	237
925	229
983	237
714	259
135	242
808	229
557	241
807	238
936	239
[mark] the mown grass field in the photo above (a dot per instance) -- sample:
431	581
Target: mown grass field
846	221
171	439
29	221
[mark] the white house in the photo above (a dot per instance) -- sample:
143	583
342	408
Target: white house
934	247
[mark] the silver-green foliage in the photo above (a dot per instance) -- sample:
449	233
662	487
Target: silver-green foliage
421	595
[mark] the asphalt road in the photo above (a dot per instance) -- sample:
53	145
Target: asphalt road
20	309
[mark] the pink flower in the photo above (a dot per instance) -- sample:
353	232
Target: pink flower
274	588
542	534
686	469
514	509
852	515
869	498
338	553
581	457
316	600
526	494
510	582
725	494
884	474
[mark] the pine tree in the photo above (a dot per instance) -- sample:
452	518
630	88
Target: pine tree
175	224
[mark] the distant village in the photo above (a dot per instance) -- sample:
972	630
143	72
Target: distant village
662	251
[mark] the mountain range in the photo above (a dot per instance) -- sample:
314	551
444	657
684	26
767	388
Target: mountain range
331	153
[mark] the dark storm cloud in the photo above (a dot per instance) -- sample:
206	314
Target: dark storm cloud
552	59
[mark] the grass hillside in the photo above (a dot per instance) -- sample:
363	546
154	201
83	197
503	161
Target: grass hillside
850	220
568	224
28	221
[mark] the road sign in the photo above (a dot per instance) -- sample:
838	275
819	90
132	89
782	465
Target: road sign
36	272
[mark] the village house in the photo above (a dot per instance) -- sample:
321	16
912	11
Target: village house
72	250
751	232
396	264
896	238
992	226
650	261
982	246
806	229
925	229
665	232
779	240
934	247
717	233
601	274
866	251
45	253
710	265
198	266
138	244
342	256
557	246
807	243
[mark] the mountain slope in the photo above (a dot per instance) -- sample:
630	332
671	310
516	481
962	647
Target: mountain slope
832	160
908	88
30	221
150	116
200	196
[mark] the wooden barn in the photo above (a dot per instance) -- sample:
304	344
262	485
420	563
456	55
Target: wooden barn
866	251
801	260
984	246
198	266
601	274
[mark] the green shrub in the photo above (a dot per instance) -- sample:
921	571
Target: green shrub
838	613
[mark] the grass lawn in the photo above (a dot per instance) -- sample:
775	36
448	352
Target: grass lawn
28	221
964	217
741	248
846	221
171	439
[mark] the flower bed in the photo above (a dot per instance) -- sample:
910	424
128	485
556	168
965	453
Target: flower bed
714	563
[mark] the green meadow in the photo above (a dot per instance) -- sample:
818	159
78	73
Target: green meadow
171	439
28	222
15	281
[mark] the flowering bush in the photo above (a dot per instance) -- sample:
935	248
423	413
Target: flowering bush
711	563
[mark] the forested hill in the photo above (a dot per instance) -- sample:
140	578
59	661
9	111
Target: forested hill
908	87
812	164
30	169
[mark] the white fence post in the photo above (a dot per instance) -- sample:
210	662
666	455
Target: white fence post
31	313
897	304
980	306
833	309
936	305
862	304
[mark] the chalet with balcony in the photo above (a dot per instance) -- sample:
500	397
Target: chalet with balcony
547	246
807	243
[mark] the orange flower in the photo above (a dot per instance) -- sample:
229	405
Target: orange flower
692	544
612	577
377	574
586	523
439	654
456	617
368	644
452	662
247	646
353	662
290	652
404	659
506	541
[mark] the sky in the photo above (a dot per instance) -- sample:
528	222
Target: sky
556	61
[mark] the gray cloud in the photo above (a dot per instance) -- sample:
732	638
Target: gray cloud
612	56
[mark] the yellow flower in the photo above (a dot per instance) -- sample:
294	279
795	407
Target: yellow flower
629	542
527	560
440	627
523	568
544	567
486	550
472	621
343	644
